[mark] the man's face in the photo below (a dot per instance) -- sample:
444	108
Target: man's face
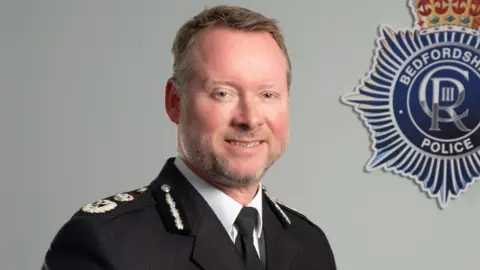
234	117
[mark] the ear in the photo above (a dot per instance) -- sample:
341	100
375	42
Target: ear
172	101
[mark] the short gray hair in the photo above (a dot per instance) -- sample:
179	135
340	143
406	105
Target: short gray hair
233	17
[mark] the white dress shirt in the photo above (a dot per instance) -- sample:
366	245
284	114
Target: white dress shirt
225	208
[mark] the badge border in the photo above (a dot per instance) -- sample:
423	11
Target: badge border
382	30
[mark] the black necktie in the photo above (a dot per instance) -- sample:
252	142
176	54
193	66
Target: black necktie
246	221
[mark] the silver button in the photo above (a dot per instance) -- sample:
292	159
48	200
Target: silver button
166	188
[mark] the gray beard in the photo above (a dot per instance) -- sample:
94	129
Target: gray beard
216	169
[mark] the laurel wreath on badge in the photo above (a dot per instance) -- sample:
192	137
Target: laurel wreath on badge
99	207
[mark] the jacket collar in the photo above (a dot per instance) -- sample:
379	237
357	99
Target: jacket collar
184	211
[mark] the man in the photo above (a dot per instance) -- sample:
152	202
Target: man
229	96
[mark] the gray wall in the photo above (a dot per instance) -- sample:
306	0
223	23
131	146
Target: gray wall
82	117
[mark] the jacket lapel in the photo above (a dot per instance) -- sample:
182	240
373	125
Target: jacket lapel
281	248
212	247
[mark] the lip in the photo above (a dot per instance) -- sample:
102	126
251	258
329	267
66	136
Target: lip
245	141
244	149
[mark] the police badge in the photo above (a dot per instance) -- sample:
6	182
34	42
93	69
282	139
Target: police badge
421	99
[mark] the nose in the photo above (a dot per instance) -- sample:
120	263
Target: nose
248	116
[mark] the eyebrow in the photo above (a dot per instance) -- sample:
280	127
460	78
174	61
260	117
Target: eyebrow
209	83
212	83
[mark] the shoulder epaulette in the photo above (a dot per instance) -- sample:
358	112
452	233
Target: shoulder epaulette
117	204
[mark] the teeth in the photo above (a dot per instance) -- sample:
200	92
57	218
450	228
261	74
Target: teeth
252	144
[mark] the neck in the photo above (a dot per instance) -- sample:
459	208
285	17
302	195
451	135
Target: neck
243	195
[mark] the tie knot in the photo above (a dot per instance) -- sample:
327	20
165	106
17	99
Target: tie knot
246	221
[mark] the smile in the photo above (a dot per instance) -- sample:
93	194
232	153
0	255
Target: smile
245	144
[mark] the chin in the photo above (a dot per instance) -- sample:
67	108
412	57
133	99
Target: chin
243	166
246	172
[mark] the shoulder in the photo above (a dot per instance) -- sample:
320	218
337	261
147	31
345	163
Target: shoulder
311	235
92	219
302	225
83	238
308	232
118	204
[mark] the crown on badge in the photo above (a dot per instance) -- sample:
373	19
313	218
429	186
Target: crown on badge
451	15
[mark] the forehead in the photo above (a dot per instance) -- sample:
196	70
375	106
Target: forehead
244	58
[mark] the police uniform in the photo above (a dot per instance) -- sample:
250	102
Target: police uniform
173	224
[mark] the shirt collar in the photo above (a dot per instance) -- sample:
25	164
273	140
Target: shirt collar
225	207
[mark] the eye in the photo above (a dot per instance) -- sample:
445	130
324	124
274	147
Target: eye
268	95
221	94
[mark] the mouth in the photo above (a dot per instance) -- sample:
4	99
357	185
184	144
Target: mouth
246	144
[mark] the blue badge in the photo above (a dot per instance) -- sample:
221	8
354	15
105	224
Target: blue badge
421	99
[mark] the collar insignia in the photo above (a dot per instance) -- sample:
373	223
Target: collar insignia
276	206
173	208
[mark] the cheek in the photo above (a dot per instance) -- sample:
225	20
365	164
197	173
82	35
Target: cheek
207	118
280	126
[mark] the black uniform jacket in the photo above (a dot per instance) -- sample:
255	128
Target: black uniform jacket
168	225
